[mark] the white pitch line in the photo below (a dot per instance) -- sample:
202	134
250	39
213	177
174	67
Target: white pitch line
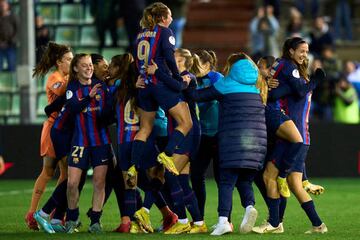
24	191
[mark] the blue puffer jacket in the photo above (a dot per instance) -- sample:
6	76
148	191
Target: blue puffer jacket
242	130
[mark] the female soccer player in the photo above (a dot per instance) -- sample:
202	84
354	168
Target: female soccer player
58	56
179	187
156	43
294	97
206	76
91	141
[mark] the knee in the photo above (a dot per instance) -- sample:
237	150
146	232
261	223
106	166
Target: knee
99	184
72	185
188	124
47	173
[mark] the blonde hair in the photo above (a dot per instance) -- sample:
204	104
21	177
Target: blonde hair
153	14
185	53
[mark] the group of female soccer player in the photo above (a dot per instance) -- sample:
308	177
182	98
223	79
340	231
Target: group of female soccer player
173	114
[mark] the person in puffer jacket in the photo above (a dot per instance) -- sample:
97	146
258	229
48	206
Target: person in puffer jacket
242	136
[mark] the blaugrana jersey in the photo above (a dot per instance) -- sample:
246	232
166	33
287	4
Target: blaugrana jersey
296	104
88	131
156	44
128	123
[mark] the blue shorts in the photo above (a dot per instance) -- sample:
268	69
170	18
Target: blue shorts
81	157
148	160
274	118
153	96
61	141
277	153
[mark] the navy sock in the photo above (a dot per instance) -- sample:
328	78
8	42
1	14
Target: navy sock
190	200
292	152
139	202
119	194
59	213
282	207
137	151
304	176
130	203
175	139
149	199
198	185
72	214
95	217
177	195
274	211
58	198
310	211
159	200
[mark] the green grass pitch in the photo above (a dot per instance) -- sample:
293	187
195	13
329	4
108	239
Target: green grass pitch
339	208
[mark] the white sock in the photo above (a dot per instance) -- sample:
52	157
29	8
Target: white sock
183	221
199	223
146	210
223	220
43	214
55	221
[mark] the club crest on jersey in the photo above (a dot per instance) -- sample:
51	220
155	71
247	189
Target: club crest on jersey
97	97
296	73
57	85
172	40
69	94
75	160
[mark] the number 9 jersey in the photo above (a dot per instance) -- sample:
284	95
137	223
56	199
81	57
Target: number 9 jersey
157	44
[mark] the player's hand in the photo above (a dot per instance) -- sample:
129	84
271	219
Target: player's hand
319	74
186	78
150	69
140	82
94	90
273	83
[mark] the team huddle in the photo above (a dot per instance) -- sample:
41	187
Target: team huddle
174	114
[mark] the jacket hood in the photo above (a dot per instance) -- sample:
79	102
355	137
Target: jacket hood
244	72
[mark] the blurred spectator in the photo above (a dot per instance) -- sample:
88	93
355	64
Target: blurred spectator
346	107
42	37
275	4
178	10
301	6
105	15
352	73
264	32
320	36
8	30
131	11
322	95
331	63
295	27
343	20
